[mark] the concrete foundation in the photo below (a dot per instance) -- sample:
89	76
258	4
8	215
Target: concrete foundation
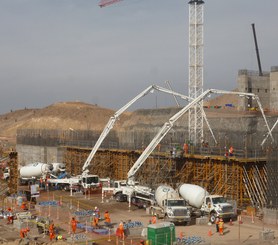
267	235
270	216
202	221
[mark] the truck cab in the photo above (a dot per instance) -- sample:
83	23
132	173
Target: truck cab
90	181
177	211
217	205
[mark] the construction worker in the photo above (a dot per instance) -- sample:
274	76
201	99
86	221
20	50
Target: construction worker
51	232
96	217
231	151
217	223
23	232
120	230
153	221
23	206
221	226
142	242
107	218
10	216
73	225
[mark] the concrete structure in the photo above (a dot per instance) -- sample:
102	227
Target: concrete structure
265	86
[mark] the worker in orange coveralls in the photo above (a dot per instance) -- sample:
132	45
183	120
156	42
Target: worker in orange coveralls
10	216
107	218
51	232
96	217
23	206
153	219
24	232
120	230
221	227
73	225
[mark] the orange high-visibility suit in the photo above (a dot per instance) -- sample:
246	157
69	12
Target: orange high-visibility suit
73	225
23	232
51	232
153	219
221	226
107	217
10	216
96	216
23	206
121	230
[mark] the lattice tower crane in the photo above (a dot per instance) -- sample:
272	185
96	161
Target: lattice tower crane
195	87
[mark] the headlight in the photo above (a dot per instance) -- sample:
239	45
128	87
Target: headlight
170	212
219	209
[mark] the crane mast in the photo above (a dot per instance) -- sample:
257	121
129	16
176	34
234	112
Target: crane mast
195	86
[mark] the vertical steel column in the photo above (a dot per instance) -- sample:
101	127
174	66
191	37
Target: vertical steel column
196	44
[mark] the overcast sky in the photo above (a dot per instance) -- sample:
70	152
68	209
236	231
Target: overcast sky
73	50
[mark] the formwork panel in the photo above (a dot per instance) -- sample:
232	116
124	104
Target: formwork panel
231	177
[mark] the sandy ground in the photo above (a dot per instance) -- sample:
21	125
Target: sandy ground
246	233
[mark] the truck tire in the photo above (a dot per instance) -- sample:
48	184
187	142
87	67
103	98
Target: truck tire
212	217
118	197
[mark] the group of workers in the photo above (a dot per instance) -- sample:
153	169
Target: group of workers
96	216
51	230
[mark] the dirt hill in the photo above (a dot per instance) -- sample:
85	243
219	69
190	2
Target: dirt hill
64	115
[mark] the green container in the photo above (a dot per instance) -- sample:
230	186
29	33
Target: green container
162	234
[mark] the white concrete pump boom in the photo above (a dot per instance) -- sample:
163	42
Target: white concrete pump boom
168	125
115	117
254	97
264	140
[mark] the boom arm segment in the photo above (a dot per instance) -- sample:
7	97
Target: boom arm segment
114	118
160	135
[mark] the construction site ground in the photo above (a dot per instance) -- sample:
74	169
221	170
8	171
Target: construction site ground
234	233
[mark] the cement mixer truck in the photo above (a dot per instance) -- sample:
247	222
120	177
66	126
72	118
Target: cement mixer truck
170	206
211	205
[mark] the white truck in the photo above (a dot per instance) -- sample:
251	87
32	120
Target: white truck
164	202
170	206
77	183
211	205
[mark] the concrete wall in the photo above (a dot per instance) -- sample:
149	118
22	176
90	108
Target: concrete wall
251	82
266	87
270	216
29	154
274	88
239	131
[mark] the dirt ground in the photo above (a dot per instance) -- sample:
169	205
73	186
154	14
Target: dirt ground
246	233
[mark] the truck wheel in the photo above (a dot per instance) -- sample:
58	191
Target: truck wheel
212	217
118	197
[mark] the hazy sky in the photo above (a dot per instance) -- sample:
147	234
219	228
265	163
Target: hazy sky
73	50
